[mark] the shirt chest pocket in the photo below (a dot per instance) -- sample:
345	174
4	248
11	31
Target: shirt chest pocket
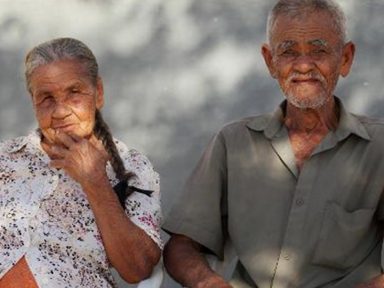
346	237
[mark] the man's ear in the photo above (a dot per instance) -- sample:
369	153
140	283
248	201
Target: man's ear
348	54
99	93
268	58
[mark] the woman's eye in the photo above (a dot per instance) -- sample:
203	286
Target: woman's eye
45	100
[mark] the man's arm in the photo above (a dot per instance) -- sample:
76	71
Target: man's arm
185	263
377	282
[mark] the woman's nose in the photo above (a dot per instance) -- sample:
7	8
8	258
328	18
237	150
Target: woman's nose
61	110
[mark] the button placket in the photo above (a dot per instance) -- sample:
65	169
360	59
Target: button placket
288	260
299	201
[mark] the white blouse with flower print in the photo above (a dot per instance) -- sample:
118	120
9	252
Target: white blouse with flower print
45	216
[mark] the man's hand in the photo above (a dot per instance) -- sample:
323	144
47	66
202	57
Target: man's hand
377	282
84	160
185	263
213	282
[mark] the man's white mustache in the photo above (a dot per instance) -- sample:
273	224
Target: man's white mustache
307	76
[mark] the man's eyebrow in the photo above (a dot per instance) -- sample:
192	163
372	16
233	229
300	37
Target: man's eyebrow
318	42
286	44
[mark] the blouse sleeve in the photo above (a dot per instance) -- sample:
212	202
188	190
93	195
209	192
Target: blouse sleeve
144	211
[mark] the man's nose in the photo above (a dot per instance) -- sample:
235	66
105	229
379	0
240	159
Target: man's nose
303	64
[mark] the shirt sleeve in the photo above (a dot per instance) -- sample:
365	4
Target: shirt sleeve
144	211
199	212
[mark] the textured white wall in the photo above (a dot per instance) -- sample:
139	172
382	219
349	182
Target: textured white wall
174	70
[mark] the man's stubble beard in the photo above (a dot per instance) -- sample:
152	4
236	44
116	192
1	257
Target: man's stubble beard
314	101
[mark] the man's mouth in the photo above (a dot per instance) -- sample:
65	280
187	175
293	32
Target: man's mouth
305	80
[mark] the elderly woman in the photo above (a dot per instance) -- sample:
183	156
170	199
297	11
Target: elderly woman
73	200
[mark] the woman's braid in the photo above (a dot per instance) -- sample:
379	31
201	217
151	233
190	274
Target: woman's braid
103	133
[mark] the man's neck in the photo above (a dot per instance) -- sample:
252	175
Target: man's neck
308	127
309	121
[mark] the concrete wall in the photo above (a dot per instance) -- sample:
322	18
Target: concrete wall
174	70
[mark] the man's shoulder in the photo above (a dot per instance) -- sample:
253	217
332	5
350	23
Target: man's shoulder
371	121
258	123
374	127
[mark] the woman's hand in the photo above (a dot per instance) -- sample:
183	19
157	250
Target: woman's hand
83	159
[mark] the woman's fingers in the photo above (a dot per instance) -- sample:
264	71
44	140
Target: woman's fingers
67	140
57	163
54	151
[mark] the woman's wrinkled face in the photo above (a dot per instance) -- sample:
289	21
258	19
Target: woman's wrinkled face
65	99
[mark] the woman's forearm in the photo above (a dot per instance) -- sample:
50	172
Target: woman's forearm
129	249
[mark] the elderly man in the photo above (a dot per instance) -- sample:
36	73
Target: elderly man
298	192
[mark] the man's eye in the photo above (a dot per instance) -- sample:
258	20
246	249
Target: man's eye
319	51
288	53
75	91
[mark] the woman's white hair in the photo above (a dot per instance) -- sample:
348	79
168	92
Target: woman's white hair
61	49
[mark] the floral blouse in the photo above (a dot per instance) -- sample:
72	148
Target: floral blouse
45	216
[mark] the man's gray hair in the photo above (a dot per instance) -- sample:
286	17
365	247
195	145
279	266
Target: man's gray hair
298	8
61	49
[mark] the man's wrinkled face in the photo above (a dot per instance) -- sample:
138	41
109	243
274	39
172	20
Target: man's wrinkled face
65	99
306	55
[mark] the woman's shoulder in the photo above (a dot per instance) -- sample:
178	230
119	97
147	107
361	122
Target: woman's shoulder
138	163
131	155
13	145
17	144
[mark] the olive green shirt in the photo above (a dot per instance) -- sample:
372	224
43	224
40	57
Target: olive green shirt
316	228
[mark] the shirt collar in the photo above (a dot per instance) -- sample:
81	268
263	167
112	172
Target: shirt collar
271	124
32	140
350	124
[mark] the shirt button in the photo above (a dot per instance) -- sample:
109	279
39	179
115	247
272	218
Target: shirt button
299	201
286	257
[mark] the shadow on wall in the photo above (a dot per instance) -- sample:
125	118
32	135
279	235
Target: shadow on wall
174	71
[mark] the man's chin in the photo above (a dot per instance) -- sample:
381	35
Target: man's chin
307	102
